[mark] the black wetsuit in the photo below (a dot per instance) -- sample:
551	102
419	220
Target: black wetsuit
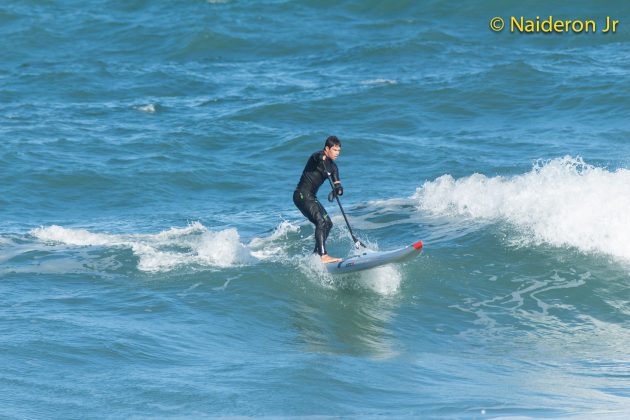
305	196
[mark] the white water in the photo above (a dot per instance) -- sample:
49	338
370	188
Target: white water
164	251
564	202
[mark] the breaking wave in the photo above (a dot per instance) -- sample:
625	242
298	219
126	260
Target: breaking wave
194	244
563	202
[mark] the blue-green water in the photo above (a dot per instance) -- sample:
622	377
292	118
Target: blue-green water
152	263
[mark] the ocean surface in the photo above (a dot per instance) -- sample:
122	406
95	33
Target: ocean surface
152	263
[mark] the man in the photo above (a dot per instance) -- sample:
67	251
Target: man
317	169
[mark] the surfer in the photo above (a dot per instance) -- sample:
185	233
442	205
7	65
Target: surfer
318	167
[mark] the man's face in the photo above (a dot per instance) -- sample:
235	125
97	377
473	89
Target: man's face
332	152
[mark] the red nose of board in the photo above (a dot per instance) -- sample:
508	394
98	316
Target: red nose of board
418	245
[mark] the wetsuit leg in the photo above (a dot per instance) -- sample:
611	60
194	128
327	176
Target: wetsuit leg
312	209
322	229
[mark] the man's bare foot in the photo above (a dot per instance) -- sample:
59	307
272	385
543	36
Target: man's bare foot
326	259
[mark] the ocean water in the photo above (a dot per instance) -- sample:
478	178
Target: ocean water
152	263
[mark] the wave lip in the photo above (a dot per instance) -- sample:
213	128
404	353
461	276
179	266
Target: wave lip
562	202
164	251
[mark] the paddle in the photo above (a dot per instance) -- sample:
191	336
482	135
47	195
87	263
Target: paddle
357	242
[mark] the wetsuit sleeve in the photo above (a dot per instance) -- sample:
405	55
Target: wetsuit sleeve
335	173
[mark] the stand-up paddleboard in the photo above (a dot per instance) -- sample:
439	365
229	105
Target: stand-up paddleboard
366	260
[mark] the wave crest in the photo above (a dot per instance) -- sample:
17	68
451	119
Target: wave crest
166	250
561	202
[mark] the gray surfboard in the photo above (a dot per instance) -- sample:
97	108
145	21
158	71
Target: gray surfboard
368	260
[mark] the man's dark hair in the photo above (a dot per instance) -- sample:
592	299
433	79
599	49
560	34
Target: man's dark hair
332	141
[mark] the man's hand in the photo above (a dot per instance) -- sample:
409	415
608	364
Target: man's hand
337	192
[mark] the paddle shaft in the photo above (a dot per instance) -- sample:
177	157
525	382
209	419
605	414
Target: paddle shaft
354	238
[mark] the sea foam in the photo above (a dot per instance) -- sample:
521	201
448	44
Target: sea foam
150	108
563	202
166	250
273	247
